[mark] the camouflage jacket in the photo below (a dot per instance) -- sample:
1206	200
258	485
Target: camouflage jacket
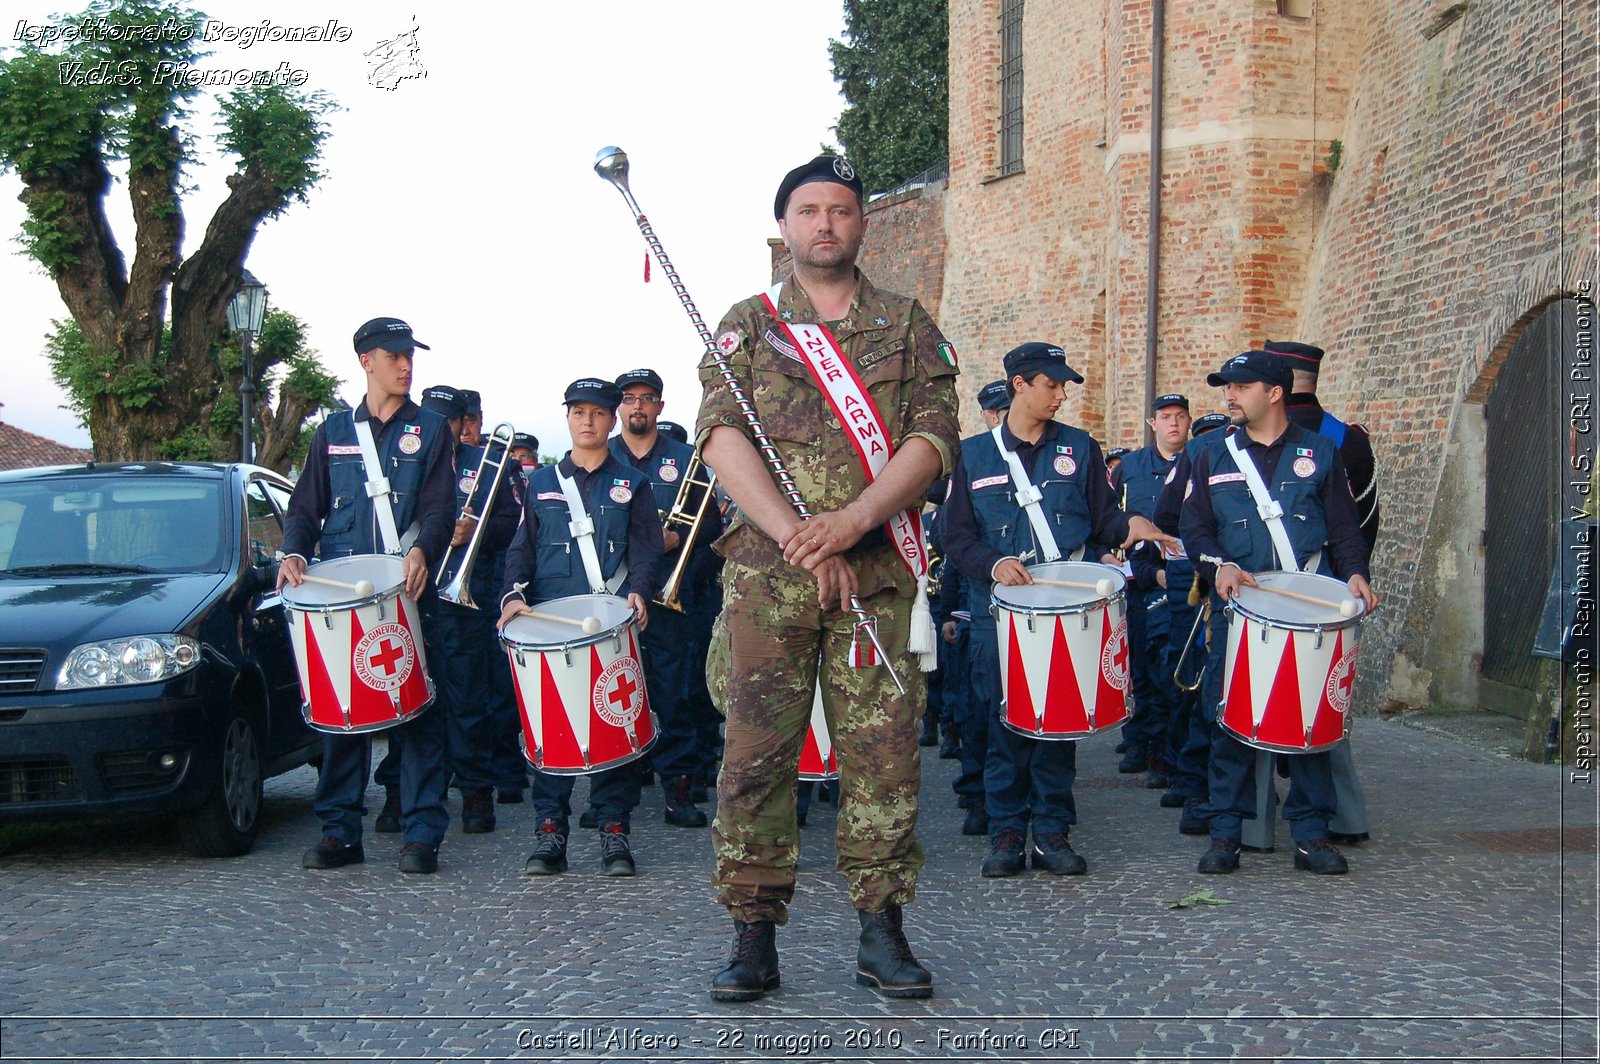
909	371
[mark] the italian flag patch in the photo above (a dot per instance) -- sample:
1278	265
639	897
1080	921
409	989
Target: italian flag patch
948	353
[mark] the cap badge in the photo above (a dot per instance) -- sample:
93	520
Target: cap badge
880	321
843	169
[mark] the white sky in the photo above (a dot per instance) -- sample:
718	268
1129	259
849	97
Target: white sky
466	202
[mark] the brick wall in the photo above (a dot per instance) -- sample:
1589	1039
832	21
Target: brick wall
1453	214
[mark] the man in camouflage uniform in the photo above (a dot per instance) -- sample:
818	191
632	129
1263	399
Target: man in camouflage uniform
787	584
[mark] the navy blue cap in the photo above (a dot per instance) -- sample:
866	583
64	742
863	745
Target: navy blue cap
1300	356
830	168
598	392
673	431
1205	423
992	396
525	439
391	334
1043	358
1161	402
474	400
1116	453
1263	366
640	376
443	399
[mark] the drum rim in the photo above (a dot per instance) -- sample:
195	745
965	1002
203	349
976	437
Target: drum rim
1110	571
522	744
578	643
1275	748
362	729
1337	624
378	594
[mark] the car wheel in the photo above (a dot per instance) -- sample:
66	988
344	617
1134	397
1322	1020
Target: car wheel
226	825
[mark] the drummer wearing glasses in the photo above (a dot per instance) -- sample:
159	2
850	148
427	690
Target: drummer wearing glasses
1228	539
988	532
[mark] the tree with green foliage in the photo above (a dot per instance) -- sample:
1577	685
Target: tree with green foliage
894	70
152	377
282	404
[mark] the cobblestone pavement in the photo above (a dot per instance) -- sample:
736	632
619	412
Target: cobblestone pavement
1465	931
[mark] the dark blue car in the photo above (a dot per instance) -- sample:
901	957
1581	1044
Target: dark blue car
144	664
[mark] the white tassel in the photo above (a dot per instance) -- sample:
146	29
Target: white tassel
923	640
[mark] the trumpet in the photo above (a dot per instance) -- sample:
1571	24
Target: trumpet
454	574
687	525
1200	618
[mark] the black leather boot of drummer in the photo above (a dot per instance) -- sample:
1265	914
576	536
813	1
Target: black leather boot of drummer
681	810
884	960
752	969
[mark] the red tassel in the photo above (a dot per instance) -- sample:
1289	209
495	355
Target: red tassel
647	267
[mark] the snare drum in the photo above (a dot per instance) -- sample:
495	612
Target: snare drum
581	696
362	664
1063	652
817	759
1290	665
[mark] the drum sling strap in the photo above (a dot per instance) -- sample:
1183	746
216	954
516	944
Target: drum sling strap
378	491
834	375
582	528
1270	510
1028	498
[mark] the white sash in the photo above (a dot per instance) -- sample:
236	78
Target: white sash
1028	498
833	373
1269	509
377	487
581	526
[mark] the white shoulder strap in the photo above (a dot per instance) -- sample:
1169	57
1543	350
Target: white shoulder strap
582	528
1028	498
1269	509
378	488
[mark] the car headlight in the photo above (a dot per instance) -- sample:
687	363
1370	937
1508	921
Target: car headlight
116	662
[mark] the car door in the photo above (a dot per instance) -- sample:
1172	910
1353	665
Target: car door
267	639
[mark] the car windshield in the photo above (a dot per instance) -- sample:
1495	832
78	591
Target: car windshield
102	526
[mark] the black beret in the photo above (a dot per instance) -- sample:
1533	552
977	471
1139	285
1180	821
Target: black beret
832	168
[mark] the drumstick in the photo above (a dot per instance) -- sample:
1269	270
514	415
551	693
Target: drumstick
1346	607
360	587
1103	586
590	625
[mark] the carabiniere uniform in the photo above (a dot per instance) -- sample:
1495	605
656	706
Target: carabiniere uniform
771	630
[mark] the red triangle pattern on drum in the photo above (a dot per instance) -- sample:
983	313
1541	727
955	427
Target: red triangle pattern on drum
1237	706
811	761
1019	699
1327	727
530	745
1283	726
1063	702
560	742
367	706
606	741
1110	703
414	692
323	697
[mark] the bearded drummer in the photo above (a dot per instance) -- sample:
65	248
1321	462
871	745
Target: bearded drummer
547	561
988	532
1229	541
331	515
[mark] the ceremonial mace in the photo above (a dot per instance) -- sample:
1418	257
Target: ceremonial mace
611	163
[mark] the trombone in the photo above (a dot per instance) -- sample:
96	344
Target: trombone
455	568
696	474
1200	618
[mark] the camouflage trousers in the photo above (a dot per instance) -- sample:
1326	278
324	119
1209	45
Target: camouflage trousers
763	672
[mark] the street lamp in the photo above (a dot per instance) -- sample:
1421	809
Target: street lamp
246	310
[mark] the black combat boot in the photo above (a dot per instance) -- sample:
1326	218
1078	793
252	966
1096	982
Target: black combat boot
753	966
681	810
884	960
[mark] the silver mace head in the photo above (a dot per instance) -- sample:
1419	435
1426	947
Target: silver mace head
611	163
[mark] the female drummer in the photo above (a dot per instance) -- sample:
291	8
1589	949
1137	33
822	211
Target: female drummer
988	532
548	560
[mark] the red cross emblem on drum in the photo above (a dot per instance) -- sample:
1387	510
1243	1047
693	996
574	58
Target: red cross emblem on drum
384	657
1114	657
1341	679
619	693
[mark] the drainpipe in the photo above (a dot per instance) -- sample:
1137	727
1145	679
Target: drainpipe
1158	29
